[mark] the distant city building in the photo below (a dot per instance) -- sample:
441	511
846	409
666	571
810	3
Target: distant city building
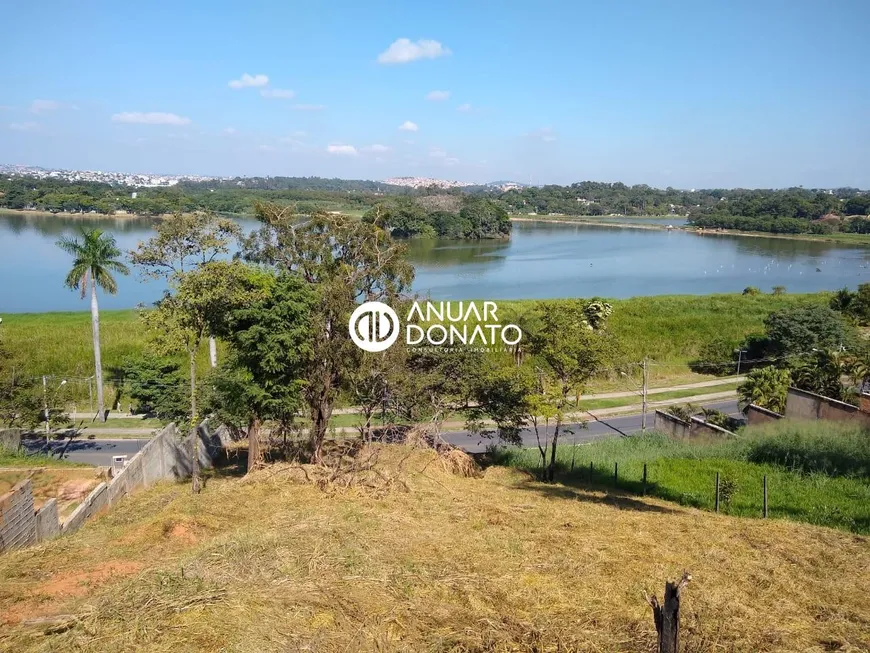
98	176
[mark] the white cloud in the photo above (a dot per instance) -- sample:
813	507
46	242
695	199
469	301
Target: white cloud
277	93
464	107
405	50
438	96
409	126
150	118
38	106
437	152
24	126
377	147
338	148
230	130
247	80
267	148
544	134
309	107
299	133
5	107
451	161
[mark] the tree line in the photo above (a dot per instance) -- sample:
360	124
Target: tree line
791	211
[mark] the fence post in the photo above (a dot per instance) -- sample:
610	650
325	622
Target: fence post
615	474
765	496
717	492
591	470
644	479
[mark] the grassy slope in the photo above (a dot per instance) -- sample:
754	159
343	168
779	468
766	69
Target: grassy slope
668	329
685	472
457	564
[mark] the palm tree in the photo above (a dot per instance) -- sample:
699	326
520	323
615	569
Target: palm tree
95	257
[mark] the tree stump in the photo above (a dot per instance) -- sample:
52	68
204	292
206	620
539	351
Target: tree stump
667	615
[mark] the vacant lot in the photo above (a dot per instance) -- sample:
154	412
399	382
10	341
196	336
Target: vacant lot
433	563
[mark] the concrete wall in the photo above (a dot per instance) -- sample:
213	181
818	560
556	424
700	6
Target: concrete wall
698	427
695	427
758	415
47	523
17	517
671	425
165	456
10	439
801	404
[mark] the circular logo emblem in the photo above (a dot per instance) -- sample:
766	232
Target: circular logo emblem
374	326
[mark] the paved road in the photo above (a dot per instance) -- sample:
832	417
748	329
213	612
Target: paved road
606	427
100	452
91	452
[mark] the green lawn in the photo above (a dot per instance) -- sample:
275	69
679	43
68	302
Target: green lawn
670	330
789	455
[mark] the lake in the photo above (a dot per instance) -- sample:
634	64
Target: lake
539	261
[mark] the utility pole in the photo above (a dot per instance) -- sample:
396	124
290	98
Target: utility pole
643	417
45	403
739	359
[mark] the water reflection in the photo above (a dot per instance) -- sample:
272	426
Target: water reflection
540	260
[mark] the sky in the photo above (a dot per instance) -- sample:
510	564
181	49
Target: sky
760	93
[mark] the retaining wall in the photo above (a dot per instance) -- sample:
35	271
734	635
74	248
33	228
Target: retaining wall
10	439
801	404
758	415
17	517
671	425
677	428
165	456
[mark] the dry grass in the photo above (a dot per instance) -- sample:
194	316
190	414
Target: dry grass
495	562
69	485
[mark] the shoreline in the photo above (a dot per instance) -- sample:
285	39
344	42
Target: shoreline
580	220
819	238
92	216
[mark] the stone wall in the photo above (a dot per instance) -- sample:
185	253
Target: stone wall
758	415
801	404
17	517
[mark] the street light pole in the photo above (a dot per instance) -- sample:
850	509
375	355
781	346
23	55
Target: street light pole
740	353
643	416
45	403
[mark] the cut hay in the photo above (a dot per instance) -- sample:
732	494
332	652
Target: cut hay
498	564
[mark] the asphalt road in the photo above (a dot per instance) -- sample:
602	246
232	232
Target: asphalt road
92	452
100	452
595	430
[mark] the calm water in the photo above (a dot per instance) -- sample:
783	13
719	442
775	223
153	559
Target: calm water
539	261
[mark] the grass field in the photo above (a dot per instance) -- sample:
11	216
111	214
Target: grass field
446	563
816	472
669	329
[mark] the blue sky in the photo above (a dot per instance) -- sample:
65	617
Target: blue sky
686	94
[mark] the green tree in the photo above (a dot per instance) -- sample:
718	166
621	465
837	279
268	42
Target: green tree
201	299
95	258
766	387
797	331
264	376
185	241
156	384
345	261
569	354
